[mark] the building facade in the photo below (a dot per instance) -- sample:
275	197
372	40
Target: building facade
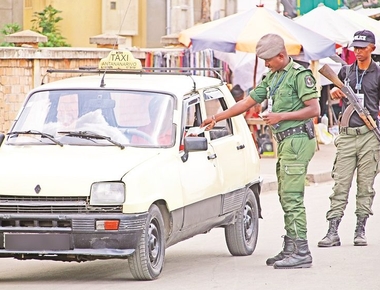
10	12
141	22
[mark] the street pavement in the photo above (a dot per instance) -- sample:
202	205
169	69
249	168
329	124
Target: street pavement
319	169
204	262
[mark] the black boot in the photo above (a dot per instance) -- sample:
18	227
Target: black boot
288	248
301	257
332	238
360	239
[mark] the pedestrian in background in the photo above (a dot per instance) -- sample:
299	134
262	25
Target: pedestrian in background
292	97
238	93
357	147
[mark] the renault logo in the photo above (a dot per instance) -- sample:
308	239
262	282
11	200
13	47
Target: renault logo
37	189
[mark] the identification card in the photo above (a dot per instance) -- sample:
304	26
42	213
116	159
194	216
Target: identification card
270	105
360	99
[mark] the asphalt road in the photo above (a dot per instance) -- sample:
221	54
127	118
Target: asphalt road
204	262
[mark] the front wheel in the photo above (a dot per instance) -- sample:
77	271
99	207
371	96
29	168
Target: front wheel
147	261
241	237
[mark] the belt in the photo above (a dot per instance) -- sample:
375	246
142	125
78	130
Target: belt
291	131
354	130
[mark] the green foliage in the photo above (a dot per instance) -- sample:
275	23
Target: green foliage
9	29
45	22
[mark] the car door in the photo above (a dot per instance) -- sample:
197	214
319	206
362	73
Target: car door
199	174
228	146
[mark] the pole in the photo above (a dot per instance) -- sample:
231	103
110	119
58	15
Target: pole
278	6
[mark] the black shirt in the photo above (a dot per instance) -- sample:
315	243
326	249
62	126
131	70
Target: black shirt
370	87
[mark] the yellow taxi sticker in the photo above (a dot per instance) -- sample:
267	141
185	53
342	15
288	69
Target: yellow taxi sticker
120	60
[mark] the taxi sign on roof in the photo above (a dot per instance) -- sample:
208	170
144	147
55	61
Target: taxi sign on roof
120	59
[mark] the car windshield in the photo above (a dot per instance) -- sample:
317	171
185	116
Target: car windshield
95	117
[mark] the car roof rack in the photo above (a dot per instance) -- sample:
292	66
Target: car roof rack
144	70
187	71
123	62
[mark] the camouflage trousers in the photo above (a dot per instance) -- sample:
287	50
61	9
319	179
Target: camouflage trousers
360	153
294	155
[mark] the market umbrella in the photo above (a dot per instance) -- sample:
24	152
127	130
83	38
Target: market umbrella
247	69
332	25
242	31
365	22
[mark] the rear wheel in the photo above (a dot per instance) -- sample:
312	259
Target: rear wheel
241	237
147	261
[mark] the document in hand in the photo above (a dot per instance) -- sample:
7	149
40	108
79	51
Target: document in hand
196	130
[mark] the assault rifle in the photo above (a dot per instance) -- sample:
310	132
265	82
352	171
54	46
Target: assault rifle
352	98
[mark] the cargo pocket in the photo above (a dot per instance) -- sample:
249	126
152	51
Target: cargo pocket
377	157
294	177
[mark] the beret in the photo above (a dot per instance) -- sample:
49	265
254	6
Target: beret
269	46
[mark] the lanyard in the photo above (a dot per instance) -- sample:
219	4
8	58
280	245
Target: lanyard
272	89
358	85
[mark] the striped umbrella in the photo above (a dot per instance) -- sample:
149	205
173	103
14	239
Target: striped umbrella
242	31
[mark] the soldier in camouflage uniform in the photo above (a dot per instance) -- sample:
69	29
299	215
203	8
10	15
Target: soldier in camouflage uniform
292	99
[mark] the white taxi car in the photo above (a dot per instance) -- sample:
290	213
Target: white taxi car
102	166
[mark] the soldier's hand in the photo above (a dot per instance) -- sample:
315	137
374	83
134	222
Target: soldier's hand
209	123
336	93
271	118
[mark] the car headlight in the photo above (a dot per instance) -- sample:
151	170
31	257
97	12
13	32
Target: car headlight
107	193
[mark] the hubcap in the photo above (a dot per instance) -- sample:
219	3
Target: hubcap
248	224
154	243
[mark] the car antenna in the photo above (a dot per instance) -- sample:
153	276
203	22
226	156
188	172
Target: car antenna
102	83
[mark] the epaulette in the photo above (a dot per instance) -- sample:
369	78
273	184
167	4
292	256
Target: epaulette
297	66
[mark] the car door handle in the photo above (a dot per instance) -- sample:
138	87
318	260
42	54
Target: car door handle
212	156
239	147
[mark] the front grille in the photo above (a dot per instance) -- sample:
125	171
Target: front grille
54	205
21	223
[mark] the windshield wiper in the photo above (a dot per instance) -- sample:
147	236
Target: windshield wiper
35	132
90	135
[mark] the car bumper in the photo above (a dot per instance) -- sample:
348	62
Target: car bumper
76	235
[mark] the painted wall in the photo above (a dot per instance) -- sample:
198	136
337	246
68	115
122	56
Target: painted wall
81	19
10	12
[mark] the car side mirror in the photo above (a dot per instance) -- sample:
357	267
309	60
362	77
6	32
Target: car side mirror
192	144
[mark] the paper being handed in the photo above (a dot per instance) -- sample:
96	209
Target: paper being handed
196	130
263	114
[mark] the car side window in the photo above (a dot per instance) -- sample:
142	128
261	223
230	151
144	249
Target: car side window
215	103
192	116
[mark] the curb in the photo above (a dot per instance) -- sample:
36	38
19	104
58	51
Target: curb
270	182
319	177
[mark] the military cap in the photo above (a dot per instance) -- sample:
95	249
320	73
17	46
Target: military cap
269	46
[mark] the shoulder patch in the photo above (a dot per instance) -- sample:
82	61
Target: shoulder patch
309	81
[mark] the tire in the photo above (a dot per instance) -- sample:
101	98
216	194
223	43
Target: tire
147	261
241	237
